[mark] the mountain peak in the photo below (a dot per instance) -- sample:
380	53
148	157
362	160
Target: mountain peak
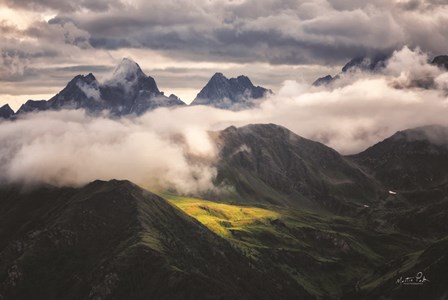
244	80
361	63
323	80
87	79
6	112
441	61
411	159
434	134
218	75
234	93
128	70
258	150
366	63
218	78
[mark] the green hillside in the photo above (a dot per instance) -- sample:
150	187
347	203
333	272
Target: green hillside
326	254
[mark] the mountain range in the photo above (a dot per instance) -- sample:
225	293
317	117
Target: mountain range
128	91
295	219
131	92
373	64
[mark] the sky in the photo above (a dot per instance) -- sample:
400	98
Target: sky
45	43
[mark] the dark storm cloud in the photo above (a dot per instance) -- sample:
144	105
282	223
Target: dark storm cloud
278	32
63	6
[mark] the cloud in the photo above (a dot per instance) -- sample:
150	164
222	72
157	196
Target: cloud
171	149
359	110
278	32
63	6
12	65
70	148
89	91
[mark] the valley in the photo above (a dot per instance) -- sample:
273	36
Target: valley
305	245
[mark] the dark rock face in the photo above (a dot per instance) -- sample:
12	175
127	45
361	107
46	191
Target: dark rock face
6	112
441	61
324	80
373	63
270	163
81	92
363	63
113	240
129	91
234	93
33	105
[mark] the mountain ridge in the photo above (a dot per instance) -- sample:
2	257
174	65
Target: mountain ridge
269	162
100	241
129	91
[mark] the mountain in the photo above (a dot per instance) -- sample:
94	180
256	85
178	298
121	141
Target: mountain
113	240
128	91
412	165
362	63
272	165
374	64
441	61
366	63
33	105
324	80
234	93
412	159
296	221
6	112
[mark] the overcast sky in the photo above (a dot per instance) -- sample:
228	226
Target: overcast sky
44	43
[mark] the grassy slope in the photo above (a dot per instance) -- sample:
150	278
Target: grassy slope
326	254
113	240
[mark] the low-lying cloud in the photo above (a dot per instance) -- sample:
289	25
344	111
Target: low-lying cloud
171	149
71	148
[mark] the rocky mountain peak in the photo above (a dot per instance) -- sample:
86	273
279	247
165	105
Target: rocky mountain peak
234	93
244	81
6	112
128	70
218	76
83	79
